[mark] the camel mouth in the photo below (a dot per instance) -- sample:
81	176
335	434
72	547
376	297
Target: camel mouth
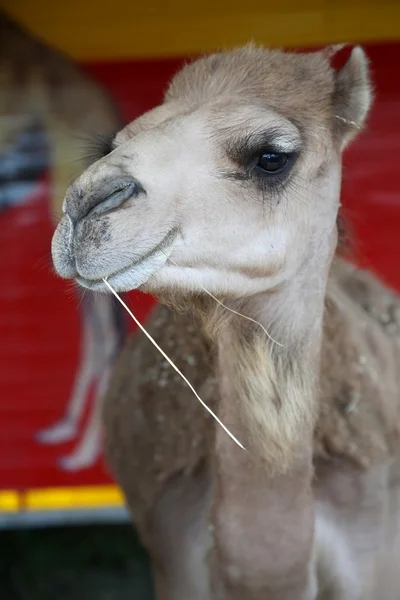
138	272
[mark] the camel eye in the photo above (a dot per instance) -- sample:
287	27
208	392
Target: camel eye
273	162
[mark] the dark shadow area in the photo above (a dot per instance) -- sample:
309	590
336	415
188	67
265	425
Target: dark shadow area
78	563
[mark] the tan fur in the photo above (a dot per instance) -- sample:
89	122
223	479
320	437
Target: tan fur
263	377
174	432
319	414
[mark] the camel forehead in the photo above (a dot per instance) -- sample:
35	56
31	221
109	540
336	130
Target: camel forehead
296	86
293	84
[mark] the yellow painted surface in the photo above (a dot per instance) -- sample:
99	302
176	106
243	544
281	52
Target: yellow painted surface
9	501
62	498
89	30
65	498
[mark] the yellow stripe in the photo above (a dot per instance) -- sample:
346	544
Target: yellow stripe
64	498
125	29
9	501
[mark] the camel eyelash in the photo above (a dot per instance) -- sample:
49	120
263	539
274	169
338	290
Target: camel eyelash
97	145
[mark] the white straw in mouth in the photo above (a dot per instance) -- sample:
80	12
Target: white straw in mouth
172	364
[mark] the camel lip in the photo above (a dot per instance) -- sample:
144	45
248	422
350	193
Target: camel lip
98	284
155	256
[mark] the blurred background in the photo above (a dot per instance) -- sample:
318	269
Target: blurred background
70	74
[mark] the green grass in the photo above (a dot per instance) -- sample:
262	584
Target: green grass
75	563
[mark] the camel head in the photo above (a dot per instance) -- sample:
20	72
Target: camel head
231	184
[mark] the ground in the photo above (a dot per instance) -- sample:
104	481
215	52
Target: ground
75	563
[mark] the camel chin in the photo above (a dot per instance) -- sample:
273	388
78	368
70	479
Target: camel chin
130	278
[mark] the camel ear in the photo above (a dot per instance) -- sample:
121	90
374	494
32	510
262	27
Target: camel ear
352	96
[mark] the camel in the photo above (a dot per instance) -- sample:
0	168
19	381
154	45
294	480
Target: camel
226	198
44	94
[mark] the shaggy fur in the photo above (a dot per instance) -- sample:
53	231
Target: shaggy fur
152	416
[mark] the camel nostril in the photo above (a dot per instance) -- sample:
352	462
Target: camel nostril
99	195
116	196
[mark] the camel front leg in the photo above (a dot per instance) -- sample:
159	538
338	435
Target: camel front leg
89	447
264	531
105	328
179	537
102	337
66	428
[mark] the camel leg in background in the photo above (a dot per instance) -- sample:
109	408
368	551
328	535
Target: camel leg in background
108	339
102	339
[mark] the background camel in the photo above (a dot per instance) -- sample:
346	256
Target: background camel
232	187
50	110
